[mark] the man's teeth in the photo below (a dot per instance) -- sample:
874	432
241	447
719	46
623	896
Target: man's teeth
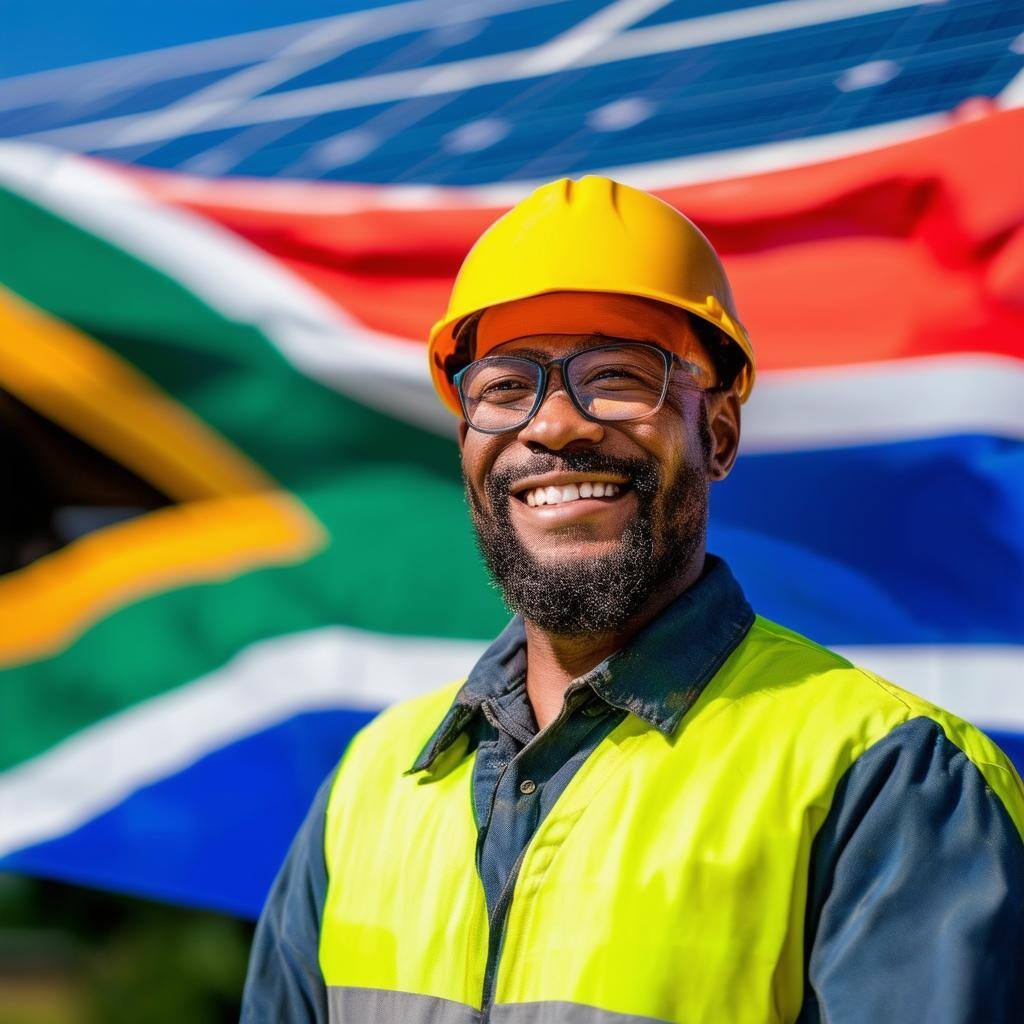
570	492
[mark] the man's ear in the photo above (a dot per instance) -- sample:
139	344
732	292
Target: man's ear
463	431
724	425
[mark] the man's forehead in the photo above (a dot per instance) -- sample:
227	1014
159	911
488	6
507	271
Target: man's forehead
585	315
546	346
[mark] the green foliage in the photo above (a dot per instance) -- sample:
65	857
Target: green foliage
105	959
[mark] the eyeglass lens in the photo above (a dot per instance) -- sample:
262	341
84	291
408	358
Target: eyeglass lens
609	383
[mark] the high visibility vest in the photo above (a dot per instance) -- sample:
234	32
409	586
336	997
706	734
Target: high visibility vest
668	882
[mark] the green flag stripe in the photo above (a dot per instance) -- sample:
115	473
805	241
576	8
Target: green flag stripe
400	560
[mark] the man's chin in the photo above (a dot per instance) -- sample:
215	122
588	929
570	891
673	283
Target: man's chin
571	554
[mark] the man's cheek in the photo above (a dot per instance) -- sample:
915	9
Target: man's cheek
477	501
487	495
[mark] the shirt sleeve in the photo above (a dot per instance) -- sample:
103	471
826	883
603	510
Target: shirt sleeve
916	897
284	984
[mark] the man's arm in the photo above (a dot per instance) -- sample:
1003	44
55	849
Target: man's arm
916	898
284	984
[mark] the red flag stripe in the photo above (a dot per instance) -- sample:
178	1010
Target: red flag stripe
912	250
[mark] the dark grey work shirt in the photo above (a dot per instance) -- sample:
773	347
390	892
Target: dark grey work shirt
915	845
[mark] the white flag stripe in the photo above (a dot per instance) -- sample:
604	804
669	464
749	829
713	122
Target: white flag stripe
879	403
338	667
265	684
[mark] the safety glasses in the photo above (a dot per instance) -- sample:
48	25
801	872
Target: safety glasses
608	383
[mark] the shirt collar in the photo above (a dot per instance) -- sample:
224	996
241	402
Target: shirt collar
658	676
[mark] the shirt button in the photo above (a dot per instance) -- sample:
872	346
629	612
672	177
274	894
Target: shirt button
527	786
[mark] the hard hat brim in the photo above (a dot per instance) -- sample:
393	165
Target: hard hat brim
442	339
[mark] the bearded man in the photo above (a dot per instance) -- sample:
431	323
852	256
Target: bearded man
645	804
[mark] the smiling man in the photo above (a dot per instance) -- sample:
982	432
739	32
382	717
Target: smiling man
645	803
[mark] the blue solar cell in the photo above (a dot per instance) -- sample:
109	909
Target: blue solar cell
91	101
272	162
156	95
678	10
976	18
939	85
175	152
325	126
304	149
61	33
408	50
36	117
497	33
142	153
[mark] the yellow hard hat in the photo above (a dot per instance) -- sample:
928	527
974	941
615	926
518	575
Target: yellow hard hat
591	235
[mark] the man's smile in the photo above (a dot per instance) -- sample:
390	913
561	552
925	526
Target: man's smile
553	500
559	488
555	495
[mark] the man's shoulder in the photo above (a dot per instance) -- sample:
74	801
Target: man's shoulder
778	661
826	702
782	661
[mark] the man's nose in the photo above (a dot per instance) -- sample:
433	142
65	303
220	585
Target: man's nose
558	423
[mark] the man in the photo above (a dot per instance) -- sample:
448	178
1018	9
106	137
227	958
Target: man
645	804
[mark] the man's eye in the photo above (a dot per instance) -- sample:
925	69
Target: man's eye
504	387
621	375
613	373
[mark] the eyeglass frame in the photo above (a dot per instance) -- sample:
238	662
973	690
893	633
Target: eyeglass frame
670	359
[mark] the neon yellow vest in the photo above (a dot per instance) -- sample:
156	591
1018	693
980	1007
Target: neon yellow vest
667	883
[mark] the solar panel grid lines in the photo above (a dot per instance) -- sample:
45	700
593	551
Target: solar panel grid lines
352	146
349	146
228	54
85	105
152	65
310	161
940	101
220	151
691	90
321	46
715	133
901	41
513	65
249	47
676	10
731	26
409	113
775	91
485	32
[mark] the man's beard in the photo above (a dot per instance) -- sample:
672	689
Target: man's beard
589	596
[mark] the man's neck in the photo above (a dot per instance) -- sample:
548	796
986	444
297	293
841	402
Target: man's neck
553	661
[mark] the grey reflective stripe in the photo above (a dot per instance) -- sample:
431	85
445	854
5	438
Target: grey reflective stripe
347	1005
563	1013
381	1006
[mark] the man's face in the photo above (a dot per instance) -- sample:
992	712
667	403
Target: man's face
587	565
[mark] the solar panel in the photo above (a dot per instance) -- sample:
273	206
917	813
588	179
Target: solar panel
521	89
